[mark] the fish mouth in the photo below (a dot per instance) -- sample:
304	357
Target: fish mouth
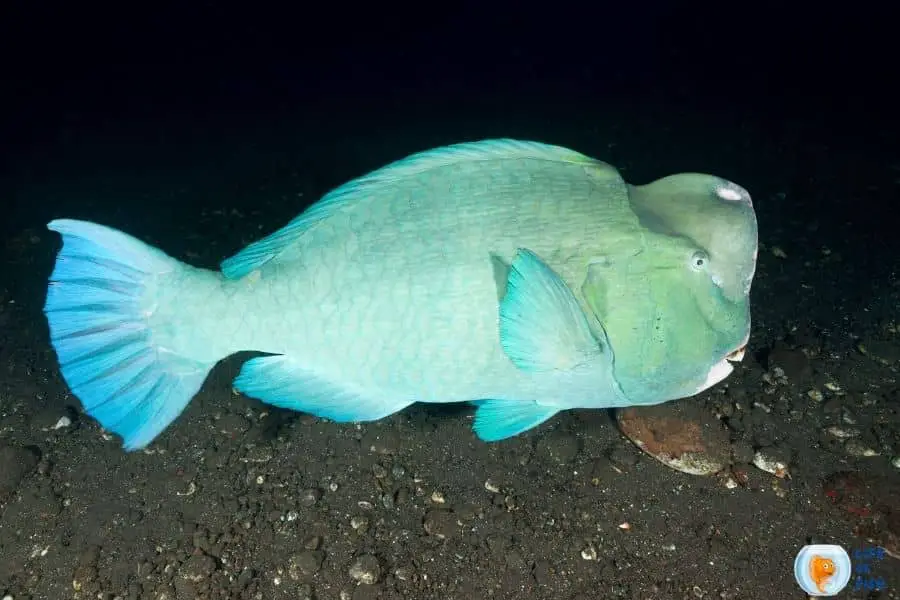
737	355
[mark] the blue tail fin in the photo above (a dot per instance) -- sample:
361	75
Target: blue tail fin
100	305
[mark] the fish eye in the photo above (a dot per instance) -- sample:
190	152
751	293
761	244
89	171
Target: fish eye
699	261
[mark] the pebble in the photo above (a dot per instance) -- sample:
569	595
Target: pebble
305	564
309	497
491	487
771	461
359	524
366	569
884	352
855	447
197	568
895	462
841	433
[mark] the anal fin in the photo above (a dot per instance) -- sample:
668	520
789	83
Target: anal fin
500	419
281	381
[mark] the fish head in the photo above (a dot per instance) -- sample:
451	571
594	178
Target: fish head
715	214
677	309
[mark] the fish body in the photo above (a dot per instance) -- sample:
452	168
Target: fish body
821	570
524	277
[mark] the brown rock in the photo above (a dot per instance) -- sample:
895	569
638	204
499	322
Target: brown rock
680	435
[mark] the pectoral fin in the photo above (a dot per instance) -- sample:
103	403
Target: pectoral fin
542	326
500	419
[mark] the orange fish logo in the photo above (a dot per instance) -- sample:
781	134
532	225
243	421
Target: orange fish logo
821	569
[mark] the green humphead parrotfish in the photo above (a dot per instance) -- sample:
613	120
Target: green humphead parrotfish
523	277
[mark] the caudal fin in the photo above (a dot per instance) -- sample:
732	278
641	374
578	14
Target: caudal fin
101	301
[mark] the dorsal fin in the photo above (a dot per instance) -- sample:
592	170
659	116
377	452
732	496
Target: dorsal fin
262	251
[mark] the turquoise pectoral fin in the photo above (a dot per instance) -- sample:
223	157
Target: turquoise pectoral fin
279	381
542	326
500	419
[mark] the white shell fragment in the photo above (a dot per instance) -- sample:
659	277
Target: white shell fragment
491	487
858	448
841	433
815	395
764	461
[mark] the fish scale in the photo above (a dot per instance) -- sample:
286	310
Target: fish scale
522	277
441	293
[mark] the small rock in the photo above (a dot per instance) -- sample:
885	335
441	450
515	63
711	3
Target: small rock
309	497
366	569
197	567
884	352
772	460
305	564
858	448
841	433
680	435
53	418
360	524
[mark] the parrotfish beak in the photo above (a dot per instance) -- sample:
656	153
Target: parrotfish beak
737	355
723	368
